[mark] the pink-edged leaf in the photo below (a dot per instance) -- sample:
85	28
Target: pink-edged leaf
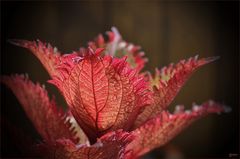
110	146
48	56
116	46
167	83
161	129
104	94
49	120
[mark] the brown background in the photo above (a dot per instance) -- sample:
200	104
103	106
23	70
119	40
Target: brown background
167	32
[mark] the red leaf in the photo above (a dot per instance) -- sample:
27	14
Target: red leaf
48	55
109	146
167	83
160	130
117	47
49	120
103	93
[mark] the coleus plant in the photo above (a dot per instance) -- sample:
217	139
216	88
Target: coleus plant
115	109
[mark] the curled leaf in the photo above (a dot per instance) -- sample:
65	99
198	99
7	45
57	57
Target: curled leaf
161	129
167	83
116	46
48	119
48	56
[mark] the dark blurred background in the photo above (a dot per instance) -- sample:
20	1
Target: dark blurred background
167	32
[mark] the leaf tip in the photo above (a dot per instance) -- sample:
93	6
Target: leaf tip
211	59
18	42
